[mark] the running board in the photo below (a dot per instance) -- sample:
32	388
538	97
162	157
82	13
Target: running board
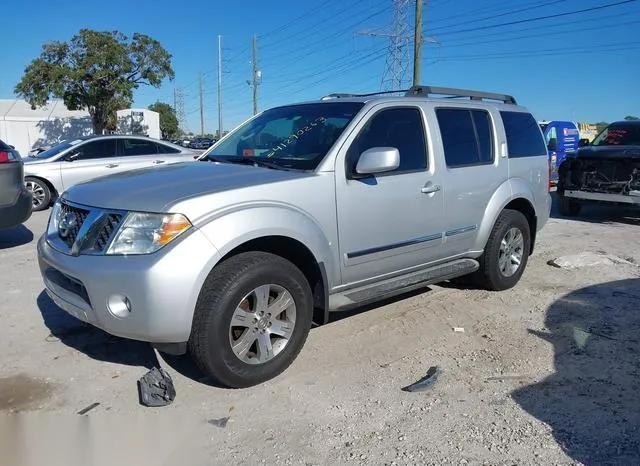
397	285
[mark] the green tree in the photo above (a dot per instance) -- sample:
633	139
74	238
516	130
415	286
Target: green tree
168	119
631	118
95	71
601	125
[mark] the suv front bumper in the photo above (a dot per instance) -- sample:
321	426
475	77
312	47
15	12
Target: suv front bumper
161	288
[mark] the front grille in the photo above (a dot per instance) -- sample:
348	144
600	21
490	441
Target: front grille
71	220
111	223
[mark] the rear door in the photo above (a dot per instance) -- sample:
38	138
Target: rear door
472	172
139	153
11	174
87	161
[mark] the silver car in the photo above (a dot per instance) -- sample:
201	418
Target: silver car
303	210
51	172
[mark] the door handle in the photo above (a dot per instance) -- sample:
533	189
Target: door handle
155	162
432	188
112	165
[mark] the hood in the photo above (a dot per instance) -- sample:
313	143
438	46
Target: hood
155	189
608	152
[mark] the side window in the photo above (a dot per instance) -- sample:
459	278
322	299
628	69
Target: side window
552	134
467	136
162	149
132	147
401	128
101	149
523	135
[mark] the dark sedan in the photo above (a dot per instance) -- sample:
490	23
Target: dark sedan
15	199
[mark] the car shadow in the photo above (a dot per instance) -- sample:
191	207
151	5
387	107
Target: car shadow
92	341
16	236
591	402
599	213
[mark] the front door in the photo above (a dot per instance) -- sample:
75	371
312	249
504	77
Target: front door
88	161
391	222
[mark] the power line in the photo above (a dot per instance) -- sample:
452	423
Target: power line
539	18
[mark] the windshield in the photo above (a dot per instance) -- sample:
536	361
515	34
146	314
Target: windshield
619	134
294	137
55	150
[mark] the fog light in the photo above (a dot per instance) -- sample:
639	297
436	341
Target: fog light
119	305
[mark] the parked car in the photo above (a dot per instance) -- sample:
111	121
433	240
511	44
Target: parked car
49	173
15	199
562	138
303	210
605	171
201	143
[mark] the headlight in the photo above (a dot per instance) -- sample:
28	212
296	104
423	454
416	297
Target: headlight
143	233
54	218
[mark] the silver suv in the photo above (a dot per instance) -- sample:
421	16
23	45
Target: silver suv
302	210
76	160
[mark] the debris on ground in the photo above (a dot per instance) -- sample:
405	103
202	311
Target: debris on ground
156	388
586	259
458	329
222	422
424	383
88	408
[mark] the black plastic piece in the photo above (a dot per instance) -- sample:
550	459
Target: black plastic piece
156	388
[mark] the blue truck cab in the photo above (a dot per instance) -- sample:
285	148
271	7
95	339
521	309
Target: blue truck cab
562	138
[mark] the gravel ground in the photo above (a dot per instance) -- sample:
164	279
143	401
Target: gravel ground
543	374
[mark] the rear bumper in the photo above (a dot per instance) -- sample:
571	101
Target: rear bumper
14	214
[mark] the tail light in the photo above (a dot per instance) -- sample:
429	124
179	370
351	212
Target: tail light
6	157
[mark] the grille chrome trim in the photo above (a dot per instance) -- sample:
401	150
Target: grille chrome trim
96	232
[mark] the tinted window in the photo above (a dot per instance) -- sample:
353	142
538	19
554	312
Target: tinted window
619	134
523	135
467	136
138	147
401	128
163	149
101	149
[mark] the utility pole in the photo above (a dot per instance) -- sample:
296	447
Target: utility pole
201	109
219	87
255	74
178	102
417	44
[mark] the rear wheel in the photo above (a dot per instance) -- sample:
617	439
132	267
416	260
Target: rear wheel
506	253
252	318
41	193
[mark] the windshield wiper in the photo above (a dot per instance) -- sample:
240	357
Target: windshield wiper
256	162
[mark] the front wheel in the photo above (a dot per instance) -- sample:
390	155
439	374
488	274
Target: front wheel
506	253
252	318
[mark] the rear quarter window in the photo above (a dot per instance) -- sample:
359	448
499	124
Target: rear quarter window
524	138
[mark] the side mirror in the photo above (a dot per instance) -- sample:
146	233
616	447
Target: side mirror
553	143
378	160
583	142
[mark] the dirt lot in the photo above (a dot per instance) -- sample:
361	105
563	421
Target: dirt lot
546	373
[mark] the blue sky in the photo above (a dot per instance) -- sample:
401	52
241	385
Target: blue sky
584	67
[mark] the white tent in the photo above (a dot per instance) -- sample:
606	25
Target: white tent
26	129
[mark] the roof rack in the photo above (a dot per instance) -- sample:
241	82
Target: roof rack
347	95
453	93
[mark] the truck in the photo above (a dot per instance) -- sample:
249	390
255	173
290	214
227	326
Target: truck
562	139
604	171
303	210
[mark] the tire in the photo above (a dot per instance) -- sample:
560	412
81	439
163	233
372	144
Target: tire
231	286
490	274
568	207
41	193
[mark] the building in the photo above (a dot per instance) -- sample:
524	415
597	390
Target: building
27	129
